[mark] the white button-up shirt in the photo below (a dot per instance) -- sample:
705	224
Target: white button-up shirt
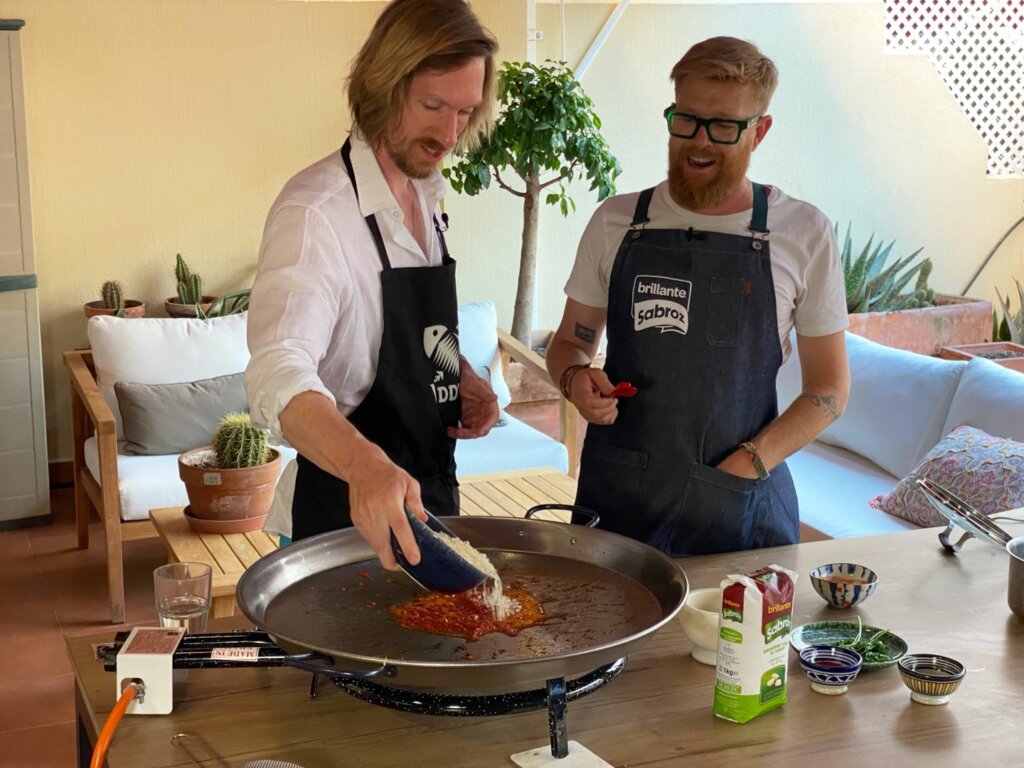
316	316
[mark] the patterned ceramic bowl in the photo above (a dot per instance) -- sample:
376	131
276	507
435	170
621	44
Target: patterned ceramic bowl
830	668
931	679
843	585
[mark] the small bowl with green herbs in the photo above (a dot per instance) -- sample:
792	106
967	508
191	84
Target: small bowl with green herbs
879	647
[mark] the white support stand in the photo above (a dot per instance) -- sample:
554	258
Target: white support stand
578	757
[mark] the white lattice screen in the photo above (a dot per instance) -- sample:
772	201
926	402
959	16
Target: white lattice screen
977	47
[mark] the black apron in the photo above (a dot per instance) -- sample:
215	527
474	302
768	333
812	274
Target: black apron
414	397
692	324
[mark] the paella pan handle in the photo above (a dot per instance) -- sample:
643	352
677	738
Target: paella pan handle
319	664
594	517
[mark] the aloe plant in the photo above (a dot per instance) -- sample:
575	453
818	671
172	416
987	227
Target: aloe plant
239	443
1009	327
871	286
228	304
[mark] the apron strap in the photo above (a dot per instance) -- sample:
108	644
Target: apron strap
441	227
759	219
640	215
371	220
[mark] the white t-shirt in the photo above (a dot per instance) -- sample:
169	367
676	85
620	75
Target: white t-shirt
806	267
316	314
316	311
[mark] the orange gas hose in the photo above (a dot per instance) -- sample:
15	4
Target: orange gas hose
99	752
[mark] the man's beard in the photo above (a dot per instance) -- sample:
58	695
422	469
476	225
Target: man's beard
405	154
697	195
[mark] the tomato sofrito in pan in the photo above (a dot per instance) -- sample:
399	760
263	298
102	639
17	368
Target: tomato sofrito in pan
466	615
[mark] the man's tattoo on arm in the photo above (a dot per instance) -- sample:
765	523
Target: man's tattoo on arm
828	402
585	334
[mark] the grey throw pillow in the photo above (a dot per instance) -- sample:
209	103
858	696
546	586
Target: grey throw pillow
172	418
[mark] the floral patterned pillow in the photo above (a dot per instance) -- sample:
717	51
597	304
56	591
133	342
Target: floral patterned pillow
987	472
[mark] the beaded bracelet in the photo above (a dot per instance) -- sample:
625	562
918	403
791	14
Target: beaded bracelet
566	379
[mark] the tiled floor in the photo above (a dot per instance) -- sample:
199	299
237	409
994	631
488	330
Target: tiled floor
49	589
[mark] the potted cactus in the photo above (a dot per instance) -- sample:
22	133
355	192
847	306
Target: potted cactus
190	301
231	483
112	302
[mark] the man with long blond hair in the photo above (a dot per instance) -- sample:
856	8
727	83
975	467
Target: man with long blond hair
352	323
698	283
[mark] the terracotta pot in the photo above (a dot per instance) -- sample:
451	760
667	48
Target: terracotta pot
953	320
1005	353
174	308
132	308
229	494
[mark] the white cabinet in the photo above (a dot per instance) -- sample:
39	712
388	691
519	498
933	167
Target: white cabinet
24	483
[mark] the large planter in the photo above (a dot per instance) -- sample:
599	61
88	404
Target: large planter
1005	353
132	308
228	500
953	320
174	308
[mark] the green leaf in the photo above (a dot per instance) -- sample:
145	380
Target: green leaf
873	286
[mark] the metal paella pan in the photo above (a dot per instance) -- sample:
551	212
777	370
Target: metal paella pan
604	595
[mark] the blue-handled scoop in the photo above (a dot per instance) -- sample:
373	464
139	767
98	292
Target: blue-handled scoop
441	568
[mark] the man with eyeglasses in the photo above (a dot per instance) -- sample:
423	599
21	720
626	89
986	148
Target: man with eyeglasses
698	282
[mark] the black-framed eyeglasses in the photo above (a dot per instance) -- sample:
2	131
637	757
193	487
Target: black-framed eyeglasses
720	130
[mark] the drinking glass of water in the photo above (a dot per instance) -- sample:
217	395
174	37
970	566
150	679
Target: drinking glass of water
183	595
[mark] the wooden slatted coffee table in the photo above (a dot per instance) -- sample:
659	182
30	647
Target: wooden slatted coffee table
228	555
500	494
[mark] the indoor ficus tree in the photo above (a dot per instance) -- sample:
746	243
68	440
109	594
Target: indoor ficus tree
548	133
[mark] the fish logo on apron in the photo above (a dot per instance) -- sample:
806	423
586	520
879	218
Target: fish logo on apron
662	303
441	347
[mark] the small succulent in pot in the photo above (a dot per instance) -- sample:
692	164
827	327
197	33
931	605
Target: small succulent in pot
112	302
190	285
190	300
239	443
112	295
230	484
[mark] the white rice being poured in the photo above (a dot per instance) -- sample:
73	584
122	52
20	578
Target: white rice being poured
492	592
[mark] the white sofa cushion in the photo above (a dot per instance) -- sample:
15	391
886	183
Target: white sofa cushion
834	487
898	404
989	397
164	351
150	482
478	343
514	445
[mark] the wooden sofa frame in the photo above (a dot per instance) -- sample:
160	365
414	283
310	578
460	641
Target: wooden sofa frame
90	414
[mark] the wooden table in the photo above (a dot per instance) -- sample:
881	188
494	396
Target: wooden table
499	494
658	711
228	555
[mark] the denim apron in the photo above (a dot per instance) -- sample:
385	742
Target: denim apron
413	399
692	324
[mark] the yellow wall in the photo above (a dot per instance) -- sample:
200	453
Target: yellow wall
162	127
156	127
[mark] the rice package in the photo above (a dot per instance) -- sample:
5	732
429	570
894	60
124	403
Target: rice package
753	642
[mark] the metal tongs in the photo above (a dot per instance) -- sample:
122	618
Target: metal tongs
961	514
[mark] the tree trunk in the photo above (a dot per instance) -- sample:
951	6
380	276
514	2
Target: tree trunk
522	318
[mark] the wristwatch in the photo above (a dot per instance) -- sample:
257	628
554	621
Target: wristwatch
755	457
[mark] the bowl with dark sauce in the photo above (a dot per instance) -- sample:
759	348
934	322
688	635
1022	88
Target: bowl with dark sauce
830	668
844	585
